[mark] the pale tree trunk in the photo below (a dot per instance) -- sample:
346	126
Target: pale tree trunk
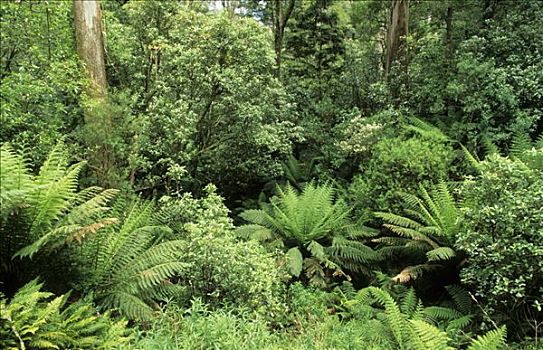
281	13
90	44
397	31
90	47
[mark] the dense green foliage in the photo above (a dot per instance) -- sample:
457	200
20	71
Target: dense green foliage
274	174
31	319
504	240
431	226
314	230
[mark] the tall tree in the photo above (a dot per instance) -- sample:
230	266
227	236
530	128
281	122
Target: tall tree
90	47
90	43
282	9
398	29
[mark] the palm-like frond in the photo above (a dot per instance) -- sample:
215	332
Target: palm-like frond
426	129
432	219
36	321
409	325
316	223
43	212
431	338
461	298
130	268
528	151
395	319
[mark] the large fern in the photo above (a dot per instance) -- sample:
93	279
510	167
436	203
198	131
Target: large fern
429	227
128	267
31	319
406	324
42	212
314	229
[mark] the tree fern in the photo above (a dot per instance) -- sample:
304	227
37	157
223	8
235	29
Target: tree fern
528	151
408	325
130	269
395	319
317	225
40	213
31	319
433	220
426	129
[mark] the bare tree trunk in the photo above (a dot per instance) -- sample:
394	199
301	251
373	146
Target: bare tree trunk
281	14
90	44
398	29
396	56
90	47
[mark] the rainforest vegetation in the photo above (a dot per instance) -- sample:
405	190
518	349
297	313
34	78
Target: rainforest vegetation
271	174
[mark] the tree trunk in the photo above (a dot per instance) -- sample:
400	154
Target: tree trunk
90	44
90	47
398	29
396	47
280	19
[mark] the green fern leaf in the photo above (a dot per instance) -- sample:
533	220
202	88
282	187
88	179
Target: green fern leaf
493	340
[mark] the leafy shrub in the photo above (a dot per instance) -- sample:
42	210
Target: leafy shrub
504	221
209	109
41	77
200	328
32	320
219	269
399	165
314	229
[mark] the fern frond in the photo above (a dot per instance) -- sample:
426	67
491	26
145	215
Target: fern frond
462	299
430	336
441	253
492	340
394	317
409	302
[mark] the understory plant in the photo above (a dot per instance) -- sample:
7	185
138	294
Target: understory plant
426	232
40	214
219	269
128	266
314	229
504	240
407	324
33	319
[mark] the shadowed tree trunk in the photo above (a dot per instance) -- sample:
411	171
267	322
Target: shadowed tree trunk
398	29
281	13
90	47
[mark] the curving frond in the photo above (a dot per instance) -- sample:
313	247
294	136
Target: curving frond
462	299
492	340
130	267
46	211
431	338
431	224
316	223
441	253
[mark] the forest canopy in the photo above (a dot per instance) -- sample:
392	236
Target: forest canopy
271	174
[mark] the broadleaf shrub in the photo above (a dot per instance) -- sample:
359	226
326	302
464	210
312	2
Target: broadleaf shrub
504	240
399	165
